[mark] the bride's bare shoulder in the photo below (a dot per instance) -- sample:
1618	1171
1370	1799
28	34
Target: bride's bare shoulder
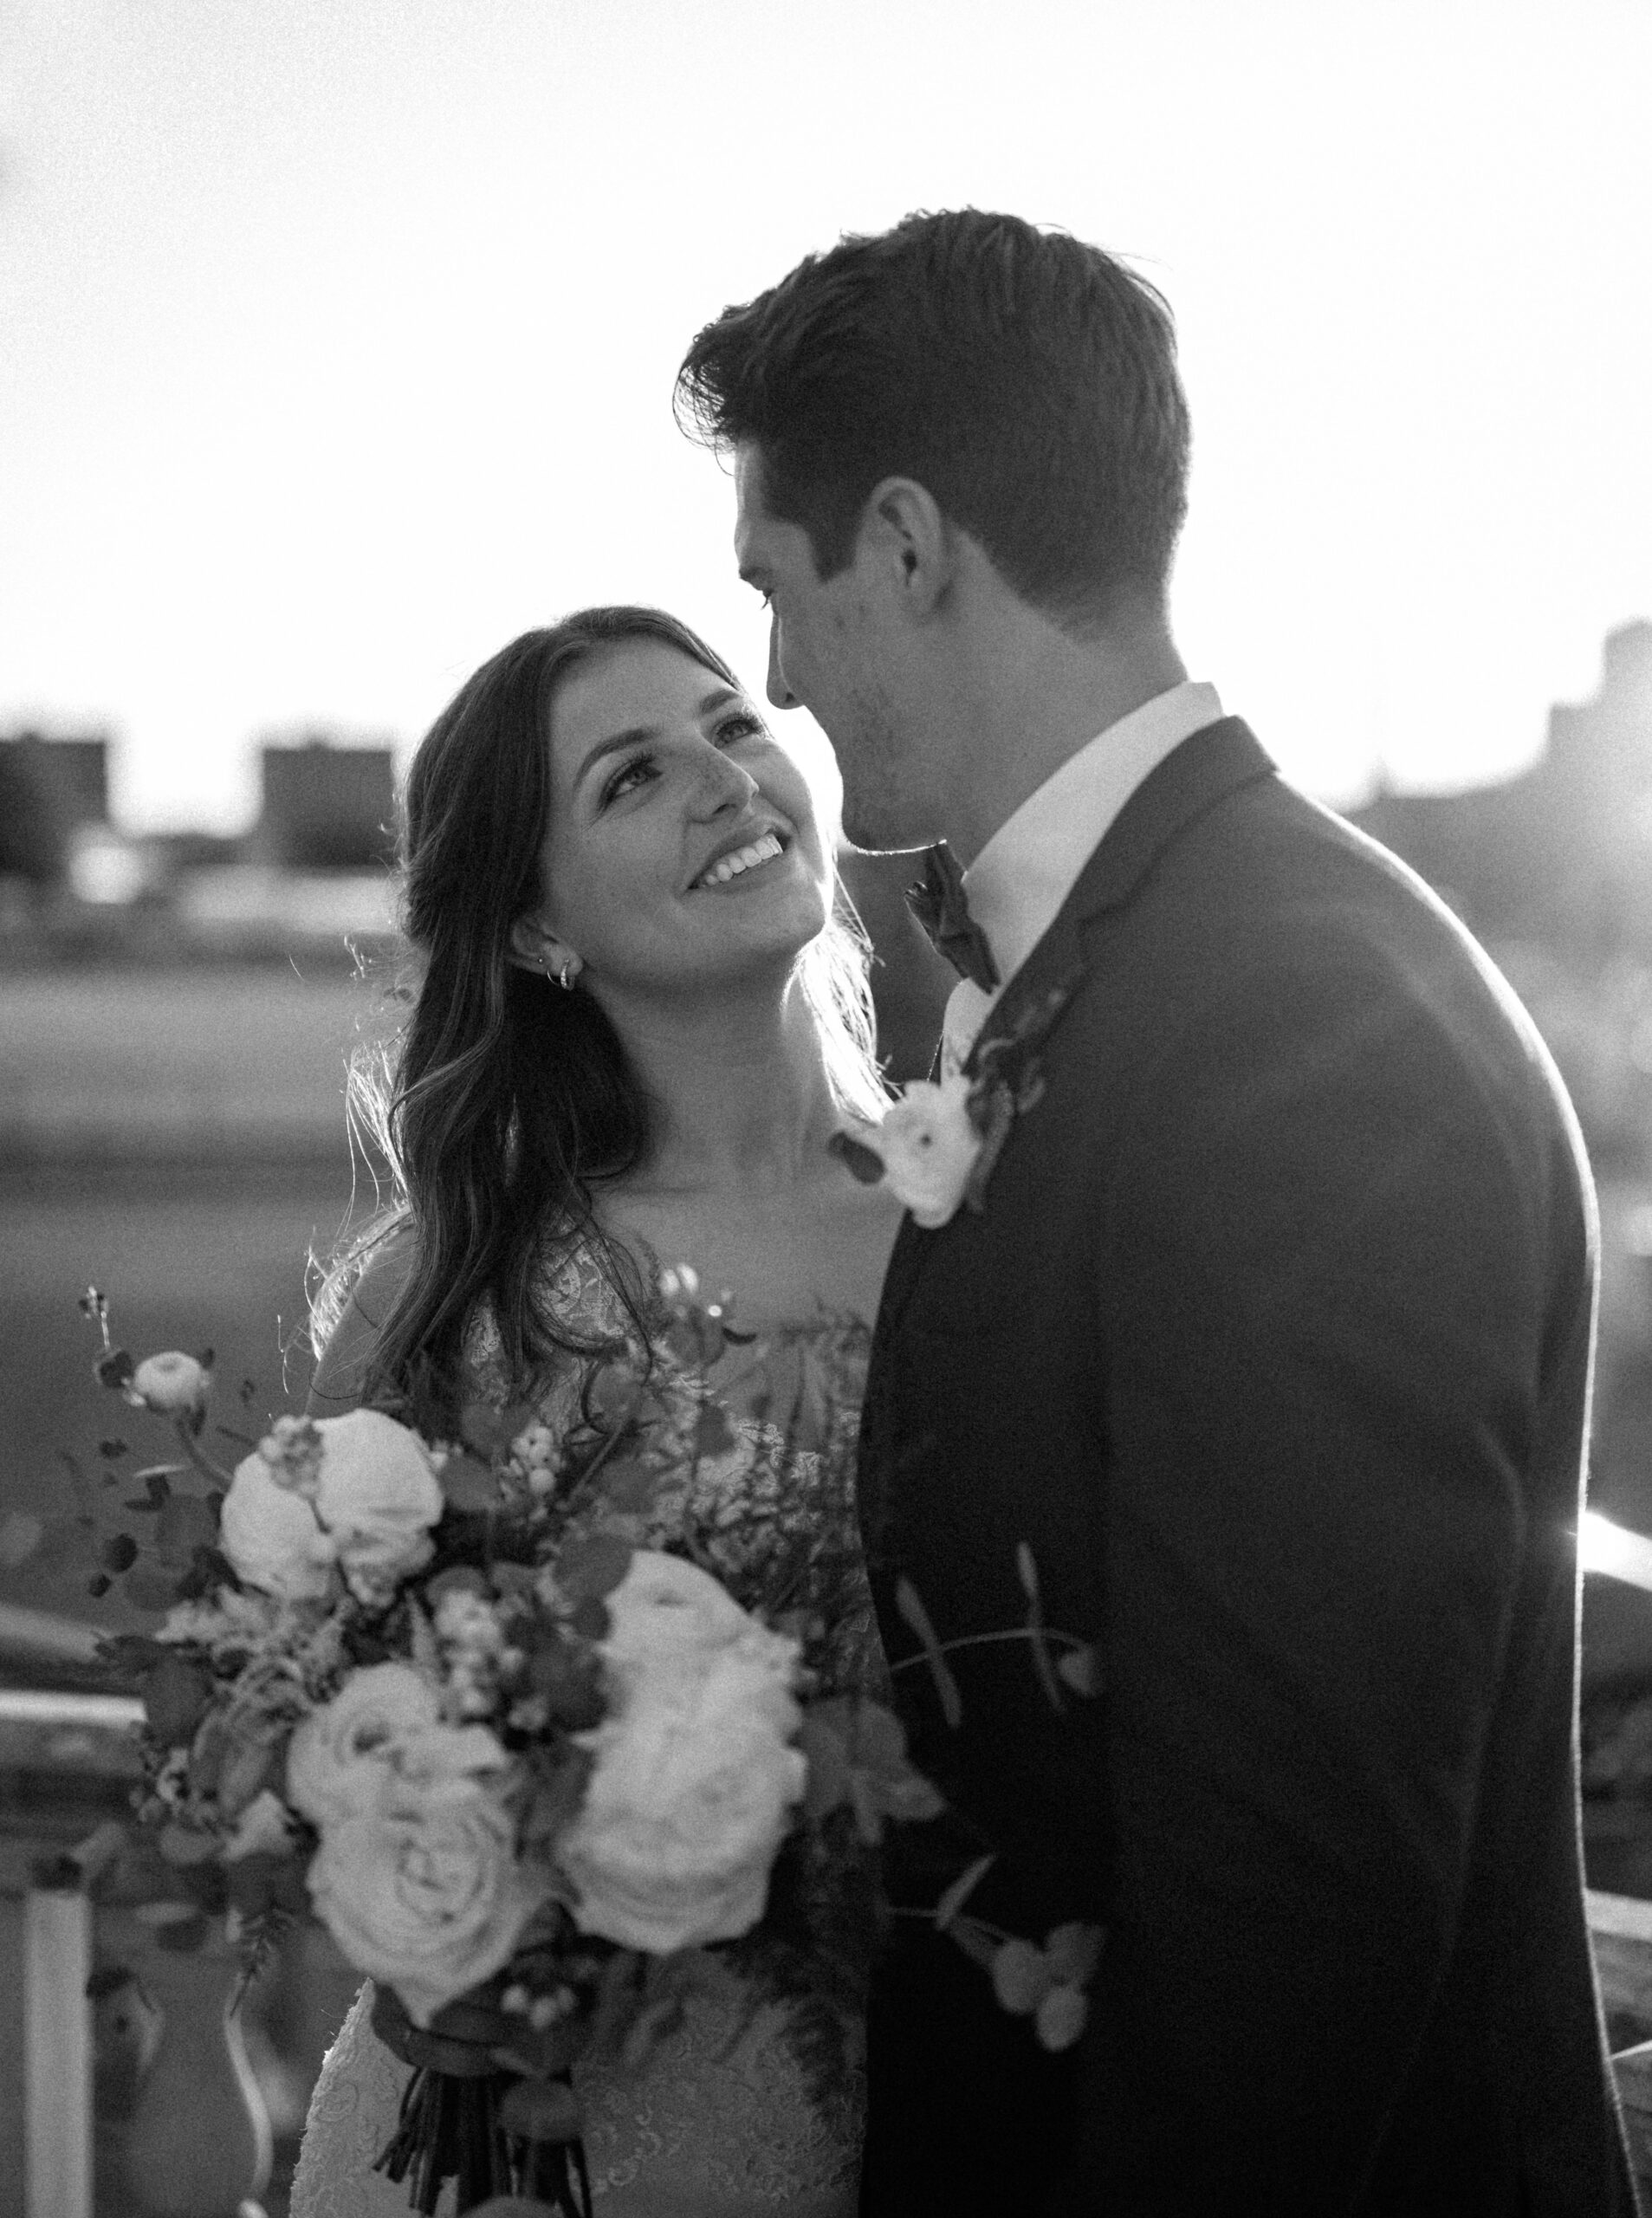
342	1367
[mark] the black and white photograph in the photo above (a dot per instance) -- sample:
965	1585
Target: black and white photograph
826	1109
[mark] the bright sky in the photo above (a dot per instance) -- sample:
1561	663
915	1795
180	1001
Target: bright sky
337	337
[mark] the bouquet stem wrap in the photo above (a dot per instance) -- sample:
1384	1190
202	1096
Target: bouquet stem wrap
462	2116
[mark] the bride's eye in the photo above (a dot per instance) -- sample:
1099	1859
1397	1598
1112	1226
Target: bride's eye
742	724
626	778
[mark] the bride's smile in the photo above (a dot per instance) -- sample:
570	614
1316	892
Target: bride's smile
736	858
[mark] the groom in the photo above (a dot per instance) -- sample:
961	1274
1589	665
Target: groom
1223	1449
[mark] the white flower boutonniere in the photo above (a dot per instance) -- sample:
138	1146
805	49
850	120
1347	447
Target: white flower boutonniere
925	1150
937	1144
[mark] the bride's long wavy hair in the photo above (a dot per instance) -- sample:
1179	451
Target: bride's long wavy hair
500	1104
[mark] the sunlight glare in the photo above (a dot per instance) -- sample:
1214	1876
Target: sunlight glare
1614	1550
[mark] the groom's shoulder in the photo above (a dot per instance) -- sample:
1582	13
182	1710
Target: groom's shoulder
1281	847
1272	868
1272	890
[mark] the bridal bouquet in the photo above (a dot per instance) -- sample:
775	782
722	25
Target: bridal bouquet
527	1741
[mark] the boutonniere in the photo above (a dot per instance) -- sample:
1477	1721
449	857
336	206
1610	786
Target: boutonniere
936	1146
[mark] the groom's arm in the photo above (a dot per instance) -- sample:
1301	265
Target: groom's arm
1340	1269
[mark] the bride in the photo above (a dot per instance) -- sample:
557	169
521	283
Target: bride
638	1024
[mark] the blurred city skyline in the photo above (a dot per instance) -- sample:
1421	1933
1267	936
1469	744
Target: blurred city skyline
342	334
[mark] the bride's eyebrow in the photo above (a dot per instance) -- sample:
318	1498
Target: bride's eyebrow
643	735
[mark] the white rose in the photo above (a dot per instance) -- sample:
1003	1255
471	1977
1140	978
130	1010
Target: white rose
444	1752
377	1494
695	1776
174	1383
664	1608
338	1757
271	1537
928	1146
424	1889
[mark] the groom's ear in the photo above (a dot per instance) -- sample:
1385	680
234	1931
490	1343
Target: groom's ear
904	530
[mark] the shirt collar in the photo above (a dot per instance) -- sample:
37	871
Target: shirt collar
1019	880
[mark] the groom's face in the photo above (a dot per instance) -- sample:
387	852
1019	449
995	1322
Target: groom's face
824	655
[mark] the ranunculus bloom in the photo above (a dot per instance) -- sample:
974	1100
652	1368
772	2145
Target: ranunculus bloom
271	1536
929	1147
695	1775
338	1755
378	1496
174	1383
375	1498
424	1889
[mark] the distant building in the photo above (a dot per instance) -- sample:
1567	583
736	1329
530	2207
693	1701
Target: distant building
49	790
1562	852
75	773
326	807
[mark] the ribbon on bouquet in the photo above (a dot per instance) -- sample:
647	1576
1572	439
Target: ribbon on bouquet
464	2117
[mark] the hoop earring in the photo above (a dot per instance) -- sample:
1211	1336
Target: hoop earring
566	975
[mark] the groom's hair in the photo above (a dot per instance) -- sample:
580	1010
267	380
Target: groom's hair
1026	380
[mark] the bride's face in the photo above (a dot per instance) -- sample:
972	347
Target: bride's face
683	848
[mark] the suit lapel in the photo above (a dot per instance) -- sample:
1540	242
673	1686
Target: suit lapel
1204	770
905	1261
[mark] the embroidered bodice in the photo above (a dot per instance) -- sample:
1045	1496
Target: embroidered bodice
719	2123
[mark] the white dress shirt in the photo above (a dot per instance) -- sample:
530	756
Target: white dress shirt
1019	880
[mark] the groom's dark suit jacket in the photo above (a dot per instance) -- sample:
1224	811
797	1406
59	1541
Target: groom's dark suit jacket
1272	1346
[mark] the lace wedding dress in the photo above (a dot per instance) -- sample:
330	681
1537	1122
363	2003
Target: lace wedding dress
719	2123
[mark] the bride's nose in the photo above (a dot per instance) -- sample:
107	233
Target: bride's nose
720	783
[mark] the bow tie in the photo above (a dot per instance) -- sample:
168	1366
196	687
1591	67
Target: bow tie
939	904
